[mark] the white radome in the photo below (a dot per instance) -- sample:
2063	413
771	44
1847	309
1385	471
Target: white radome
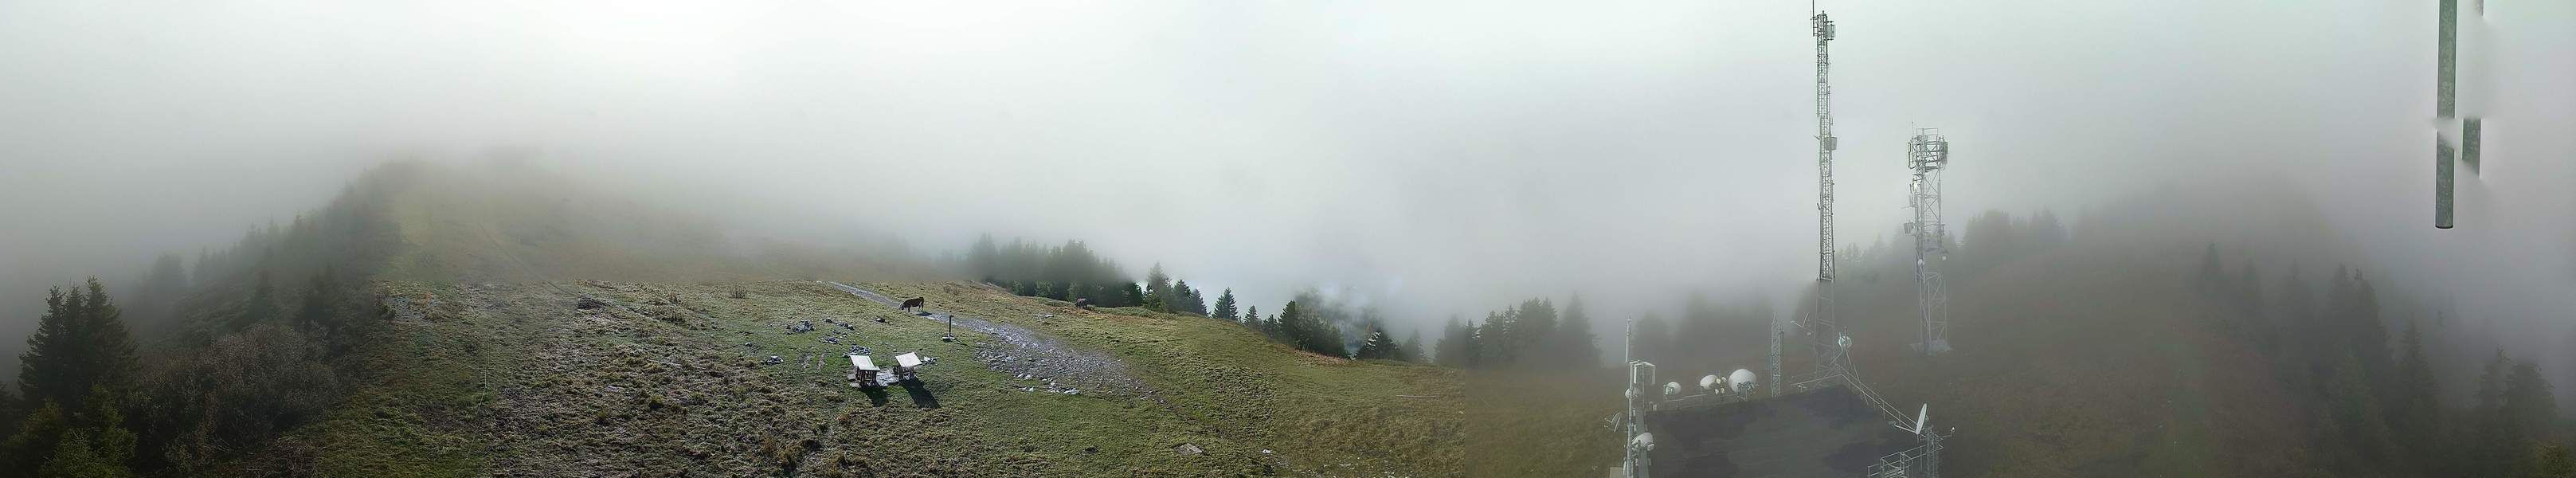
1672	388
1710	383
1742	380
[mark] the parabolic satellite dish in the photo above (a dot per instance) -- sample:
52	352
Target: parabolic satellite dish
1742	380
1710	383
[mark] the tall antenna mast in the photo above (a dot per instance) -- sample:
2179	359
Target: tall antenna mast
1926	154
1820	326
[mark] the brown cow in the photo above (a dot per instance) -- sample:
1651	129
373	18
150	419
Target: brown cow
914	303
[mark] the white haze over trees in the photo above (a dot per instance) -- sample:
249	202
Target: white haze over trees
1432	158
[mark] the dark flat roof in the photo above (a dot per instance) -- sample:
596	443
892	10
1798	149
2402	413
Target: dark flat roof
1823	432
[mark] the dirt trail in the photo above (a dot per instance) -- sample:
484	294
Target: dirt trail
1043	363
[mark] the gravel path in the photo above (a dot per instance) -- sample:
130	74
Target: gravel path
1041	362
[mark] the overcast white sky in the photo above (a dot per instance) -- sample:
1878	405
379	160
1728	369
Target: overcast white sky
1456	153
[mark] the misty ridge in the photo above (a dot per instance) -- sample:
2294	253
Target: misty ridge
1206	239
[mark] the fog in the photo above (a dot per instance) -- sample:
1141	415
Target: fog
1436	158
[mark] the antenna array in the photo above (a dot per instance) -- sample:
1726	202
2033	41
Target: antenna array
1927	154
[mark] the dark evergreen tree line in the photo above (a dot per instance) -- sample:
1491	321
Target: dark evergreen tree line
1531	334
1068	272
2375	405
254	357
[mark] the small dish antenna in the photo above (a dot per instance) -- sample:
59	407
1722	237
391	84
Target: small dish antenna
1672	388
1643	441
1919	416
1711	383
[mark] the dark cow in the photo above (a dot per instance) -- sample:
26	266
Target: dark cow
1084	303
914	303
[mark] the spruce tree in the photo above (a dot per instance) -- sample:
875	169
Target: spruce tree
262	305
1535	333
1574	339
99	448
1225	305
1378	346
2418	398
1187	300
317	316
1158	290
1457	344
1411	347
80	344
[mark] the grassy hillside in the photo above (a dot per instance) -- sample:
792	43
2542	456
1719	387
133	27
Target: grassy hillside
478	363
512	379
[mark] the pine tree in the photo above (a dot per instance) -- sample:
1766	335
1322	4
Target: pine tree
80	344
1276	331
1225	305
1158	290
1574	336
160	290
34	443
262	305
1186	300
2418	401
1291	327
1412	347
1378	346
1252	318
317	316
1498	340
984	260
1536	333
99	448
1457	347
1311	333
2493	438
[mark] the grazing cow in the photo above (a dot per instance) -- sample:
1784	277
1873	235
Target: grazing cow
913	303
1084	303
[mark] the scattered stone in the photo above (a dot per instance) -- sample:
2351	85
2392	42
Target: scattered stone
1187	449
588	303
774	360
1095	449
